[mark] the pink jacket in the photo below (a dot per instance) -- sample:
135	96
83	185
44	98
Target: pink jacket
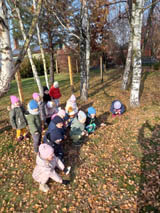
45	170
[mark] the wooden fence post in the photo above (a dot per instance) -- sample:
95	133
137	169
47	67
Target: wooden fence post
57	66
101	68
19	85
77	66
70	73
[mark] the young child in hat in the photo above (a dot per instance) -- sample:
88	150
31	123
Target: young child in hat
50	110
46	96
92	122
17	118
55	136
117	108
37	98
46	162
71	108
55	93
34	123
78	128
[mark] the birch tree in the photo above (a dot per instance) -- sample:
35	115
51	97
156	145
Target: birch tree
137	16
41	48
84	51
129	53
8	68
29	52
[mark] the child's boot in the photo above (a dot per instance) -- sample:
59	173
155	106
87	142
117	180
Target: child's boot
44	187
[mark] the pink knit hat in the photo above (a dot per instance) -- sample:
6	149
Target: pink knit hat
14	99
35	95
72	98
45	150
61	113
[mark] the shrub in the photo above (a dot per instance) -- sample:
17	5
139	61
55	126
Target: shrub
156	66
26	70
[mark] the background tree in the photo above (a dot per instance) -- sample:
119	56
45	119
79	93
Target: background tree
8	68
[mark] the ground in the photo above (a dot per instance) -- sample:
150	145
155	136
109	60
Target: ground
116	169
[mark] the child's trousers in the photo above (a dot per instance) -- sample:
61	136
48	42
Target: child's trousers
36	141
20	132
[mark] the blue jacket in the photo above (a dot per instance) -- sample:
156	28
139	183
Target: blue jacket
112	107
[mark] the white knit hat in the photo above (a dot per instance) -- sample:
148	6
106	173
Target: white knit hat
81	115
117	104
55	84
49	104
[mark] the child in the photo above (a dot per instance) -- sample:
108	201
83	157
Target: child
17	118
92	122
56	125
46	96
71	108
55	135
78	128
55	93
54	139
117	108
50	110
34	123
71	105
46	162
37	98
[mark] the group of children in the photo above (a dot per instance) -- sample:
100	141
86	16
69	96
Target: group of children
59	124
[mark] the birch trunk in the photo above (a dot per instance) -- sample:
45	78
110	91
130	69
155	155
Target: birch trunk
129	53
52	64
136	62
42	51
6	58
29	52
84	51
8	68
127	65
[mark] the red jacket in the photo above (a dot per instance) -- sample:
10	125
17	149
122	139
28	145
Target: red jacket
54	92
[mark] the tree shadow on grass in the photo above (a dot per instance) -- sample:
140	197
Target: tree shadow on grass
112	77
145	74
149	188
6	128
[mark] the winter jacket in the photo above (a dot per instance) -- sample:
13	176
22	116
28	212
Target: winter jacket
76	127
49	111
17	117
51	135
122	109
46	97
90	120
34	123
55	92
45	170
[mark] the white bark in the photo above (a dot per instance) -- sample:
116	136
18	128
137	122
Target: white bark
42	51
29	52
84	51
127	65
136	44
6	58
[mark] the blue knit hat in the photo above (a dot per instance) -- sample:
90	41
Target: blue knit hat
91	110
57	120
33	104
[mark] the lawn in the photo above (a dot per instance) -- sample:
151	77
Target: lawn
115	170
